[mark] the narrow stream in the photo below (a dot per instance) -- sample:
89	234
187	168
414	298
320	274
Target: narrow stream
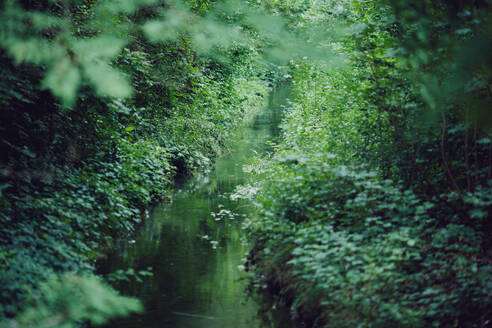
196	246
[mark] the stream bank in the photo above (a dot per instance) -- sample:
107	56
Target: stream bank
196	246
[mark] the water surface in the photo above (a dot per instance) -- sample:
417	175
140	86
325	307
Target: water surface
196	247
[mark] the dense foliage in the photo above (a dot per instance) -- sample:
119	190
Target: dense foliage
375	209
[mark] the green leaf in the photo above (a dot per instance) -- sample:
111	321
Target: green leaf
102	47
477	213
4	186
63	79
108	81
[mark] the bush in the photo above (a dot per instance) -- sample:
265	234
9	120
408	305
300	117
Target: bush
343	247
75	218
72	300
374	211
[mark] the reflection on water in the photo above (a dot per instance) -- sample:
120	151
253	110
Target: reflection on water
196	247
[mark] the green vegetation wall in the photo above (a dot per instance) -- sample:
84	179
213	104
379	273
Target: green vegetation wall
100	110
375	209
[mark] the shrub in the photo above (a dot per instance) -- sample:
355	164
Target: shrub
72	300
345	248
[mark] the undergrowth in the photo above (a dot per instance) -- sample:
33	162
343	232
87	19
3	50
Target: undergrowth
374	211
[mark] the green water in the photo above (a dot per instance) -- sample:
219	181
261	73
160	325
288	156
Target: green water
196	246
